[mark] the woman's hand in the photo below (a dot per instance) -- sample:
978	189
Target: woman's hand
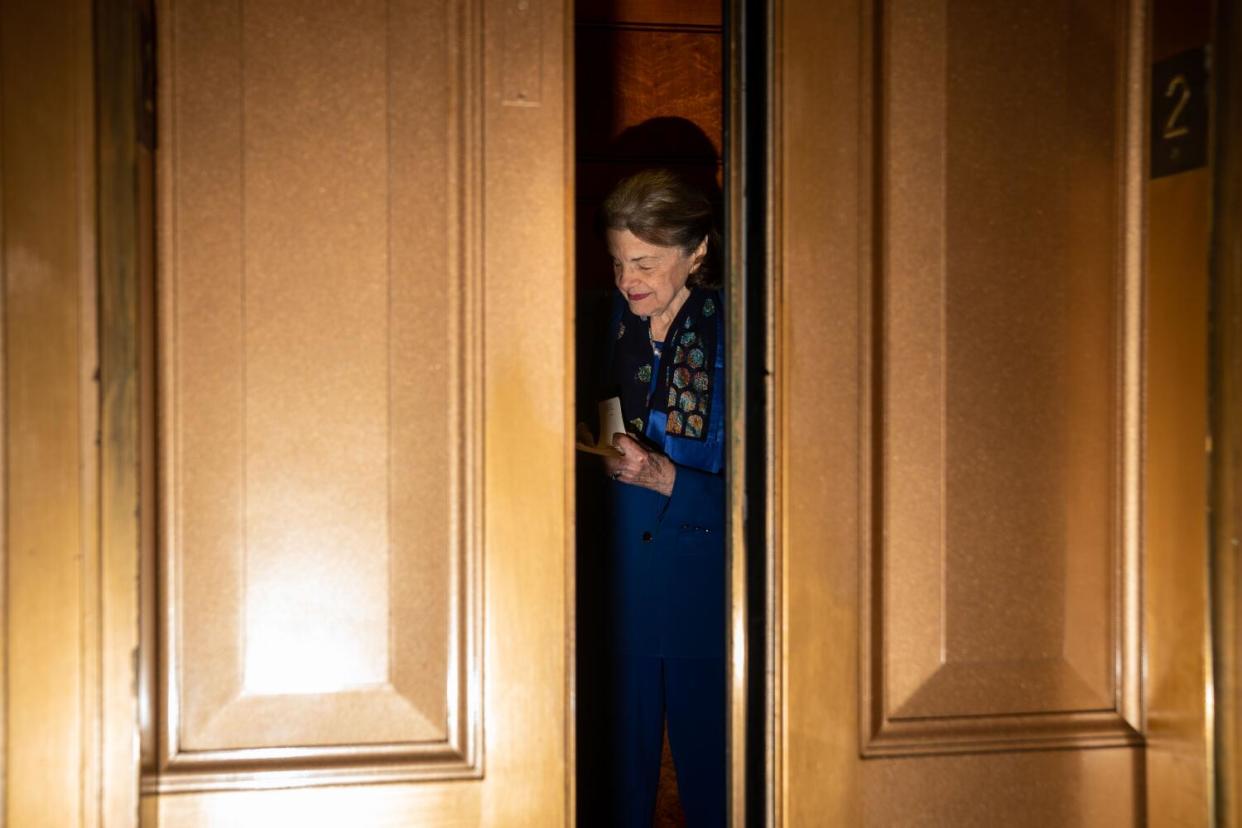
640	466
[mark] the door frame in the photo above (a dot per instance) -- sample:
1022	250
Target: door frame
758	388
125	119
1225	406
750	219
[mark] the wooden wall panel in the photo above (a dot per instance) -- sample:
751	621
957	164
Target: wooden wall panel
1180	755
51	638
649	93
652	74
649	12
1005	451
855	291
345	165
318	346
1226	413
126	404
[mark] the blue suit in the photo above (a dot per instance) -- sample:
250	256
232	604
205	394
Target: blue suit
664	572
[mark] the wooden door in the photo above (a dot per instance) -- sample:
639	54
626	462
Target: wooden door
55	656
991	568
363	383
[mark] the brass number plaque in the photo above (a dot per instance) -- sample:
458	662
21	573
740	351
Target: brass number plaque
1179	113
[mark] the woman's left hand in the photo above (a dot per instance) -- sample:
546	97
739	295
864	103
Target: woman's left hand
639	466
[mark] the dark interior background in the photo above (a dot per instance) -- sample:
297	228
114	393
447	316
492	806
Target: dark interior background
649	81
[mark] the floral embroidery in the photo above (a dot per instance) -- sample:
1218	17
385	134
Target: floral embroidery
674	422
689	380
681	376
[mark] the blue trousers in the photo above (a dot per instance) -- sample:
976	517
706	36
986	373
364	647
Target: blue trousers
690	692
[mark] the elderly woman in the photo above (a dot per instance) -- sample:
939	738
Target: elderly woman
664	568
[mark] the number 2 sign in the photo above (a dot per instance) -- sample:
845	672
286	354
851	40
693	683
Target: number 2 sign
1179	113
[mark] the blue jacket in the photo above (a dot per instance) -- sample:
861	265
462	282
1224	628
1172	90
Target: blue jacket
665	566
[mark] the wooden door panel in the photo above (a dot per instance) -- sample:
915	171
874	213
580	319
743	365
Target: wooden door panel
1001	478
52	647
348	545
962	426
317	503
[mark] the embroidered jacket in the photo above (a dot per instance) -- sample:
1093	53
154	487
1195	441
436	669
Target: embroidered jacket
664	571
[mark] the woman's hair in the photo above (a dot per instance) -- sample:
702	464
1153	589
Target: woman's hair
661	207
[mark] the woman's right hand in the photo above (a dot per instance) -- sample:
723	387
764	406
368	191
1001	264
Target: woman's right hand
640	466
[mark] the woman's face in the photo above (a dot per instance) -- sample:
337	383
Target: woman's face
650	276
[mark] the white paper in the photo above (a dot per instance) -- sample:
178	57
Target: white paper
610	423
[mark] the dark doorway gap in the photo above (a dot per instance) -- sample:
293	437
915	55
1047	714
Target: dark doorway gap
649	93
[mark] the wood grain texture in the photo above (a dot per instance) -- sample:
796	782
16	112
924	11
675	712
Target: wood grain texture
629	77
650	96
823	165
52	762
654	13
1226	383
317	346
837	188
518	455
1177	643
125	272
1000	474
